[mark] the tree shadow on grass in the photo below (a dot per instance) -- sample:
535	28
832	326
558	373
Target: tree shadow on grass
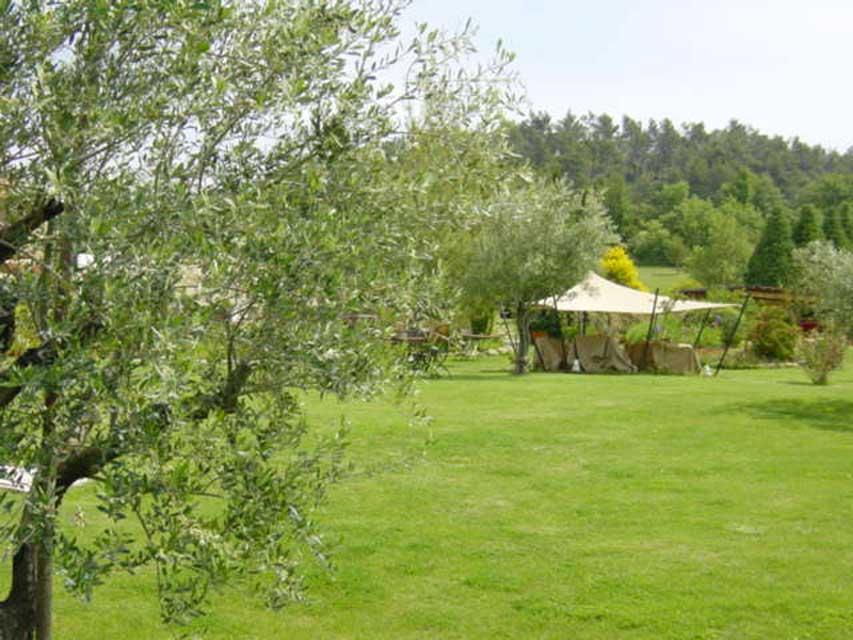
489	375
827	415
481	376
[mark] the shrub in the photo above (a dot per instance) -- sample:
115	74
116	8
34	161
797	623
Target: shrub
825	275
726	321
618	267
823	354
773	336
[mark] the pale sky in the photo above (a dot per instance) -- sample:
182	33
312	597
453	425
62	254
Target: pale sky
781	66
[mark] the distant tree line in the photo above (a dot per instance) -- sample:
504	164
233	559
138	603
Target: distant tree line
728	205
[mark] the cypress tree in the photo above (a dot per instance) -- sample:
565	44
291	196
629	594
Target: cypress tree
833	228
771	263
846	215
807	229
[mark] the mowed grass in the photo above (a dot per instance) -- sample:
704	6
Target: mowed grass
665	278
563	506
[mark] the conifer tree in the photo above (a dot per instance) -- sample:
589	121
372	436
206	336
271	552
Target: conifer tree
845	213
771	262
833	228
808	228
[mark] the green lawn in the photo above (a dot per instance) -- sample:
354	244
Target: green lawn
664	277
561	506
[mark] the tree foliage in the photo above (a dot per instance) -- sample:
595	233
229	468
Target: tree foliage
808	227
721	259
833	228
825	274
824	277
239	182
652	173
770	264
537	240
736	161
617	266
845	213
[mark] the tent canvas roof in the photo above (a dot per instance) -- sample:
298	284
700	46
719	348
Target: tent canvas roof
597	295
683	306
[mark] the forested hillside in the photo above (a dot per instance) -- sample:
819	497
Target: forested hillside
697	198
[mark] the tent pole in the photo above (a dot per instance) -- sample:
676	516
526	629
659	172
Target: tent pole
701	328
538	353
732	334
649	332
509	333
562	342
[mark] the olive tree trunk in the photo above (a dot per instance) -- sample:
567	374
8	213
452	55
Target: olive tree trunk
18	610
522	345
25	614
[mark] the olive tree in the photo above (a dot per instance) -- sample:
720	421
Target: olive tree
196	197
826	274
538	239
825	278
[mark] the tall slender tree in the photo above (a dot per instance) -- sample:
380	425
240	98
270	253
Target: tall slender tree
808	227
845	214
833	228
770	264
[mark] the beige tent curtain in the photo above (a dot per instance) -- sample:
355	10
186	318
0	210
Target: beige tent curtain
595	354
665	357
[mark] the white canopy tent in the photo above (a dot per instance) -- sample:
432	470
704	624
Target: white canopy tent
683	306
597	295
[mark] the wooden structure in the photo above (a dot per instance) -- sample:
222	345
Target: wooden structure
767	295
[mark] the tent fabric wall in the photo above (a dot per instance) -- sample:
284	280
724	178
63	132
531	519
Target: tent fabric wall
665	357
551	351
601	353
596	354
